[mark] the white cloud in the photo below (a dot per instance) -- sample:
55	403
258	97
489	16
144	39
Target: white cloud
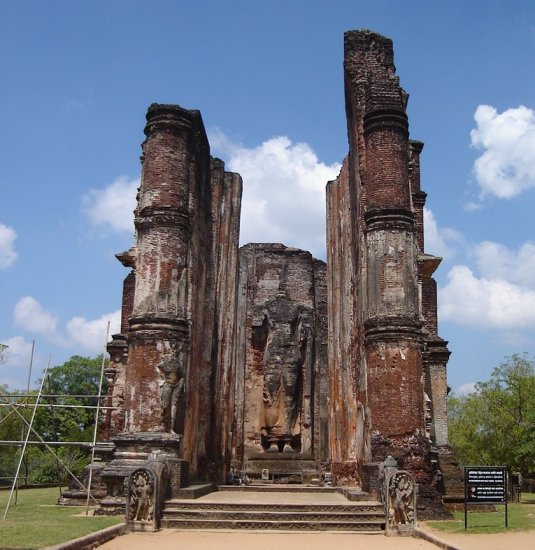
283	191
484	302
472	206
496	261
7	246
440	241
506	167
89	334
114	205
466	389
32	317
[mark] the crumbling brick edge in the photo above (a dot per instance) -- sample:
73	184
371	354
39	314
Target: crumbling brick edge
93	540
421	534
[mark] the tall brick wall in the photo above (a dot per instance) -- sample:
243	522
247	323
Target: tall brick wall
282	300
226	205
349	436
384	236
179	301
287	362
378	295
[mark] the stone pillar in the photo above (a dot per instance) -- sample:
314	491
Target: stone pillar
158	326
379	234
418	196
113	421
349	437
436	355
393	338
386	236
226	205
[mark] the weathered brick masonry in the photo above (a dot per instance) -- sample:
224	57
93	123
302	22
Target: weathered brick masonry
281	411
180	300
382	299
266	358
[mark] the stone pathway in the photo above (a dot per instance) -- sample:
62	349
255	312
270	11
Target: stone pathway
261	540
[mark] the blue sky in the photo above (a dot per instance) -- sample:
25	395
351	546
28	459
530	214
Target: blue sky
77	78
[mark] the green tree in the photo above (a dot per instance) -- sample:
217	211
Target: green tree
10	430
496	423
77	377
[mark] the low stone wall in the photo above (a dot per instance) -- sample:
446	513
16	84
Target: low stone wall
421	534
93	540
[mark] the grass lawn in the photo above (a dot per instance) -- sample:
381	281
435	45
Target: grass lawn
36	520
521	518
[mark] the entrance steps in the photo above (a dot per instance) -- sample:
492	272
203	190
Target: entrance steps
280	508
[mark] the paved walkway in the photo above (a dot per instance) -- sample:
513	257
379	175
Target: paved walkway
261	540
176	539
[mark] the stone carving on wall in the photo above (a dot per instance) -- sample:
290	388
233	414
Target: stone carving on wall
141	494
287	353
401	502
172	386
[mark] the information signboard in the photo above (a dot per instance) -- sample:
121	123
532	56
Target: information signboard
485	485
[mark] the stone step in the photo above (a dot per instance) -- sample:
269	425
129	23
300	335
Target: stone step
284	487
352	494
357	507
184	514
290	525
273	508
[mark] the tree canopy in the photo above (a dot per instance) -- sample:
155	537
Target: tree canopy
69	382
495	424
3	353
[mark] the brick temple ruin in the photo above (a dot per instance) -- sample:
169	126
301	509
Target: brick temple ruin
263	359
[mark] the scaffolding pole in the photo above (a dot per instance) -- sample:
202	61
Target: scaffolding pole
95	432
49	449
40	395
22	425
57	406
27	438
50	395
7	443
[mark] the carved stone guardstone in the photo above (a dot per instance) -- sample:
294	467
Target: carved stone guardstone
145	495
400	504
141	450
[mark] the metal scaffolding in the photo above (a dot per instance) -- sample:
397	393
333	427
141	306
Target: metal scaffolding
27	427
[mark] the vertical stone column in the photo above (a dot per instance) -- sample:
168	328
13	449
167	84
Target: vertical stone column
387	223
435	356
226	206
436	353
348	416
393	339
379	236
113	421
159	329
418	196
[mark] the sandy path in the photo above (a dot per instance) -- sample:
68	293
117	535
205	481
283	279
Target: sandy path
522	540
175	539
260	540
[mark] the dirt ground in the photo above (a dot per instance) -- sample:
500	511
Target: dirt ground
522	540
261	540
